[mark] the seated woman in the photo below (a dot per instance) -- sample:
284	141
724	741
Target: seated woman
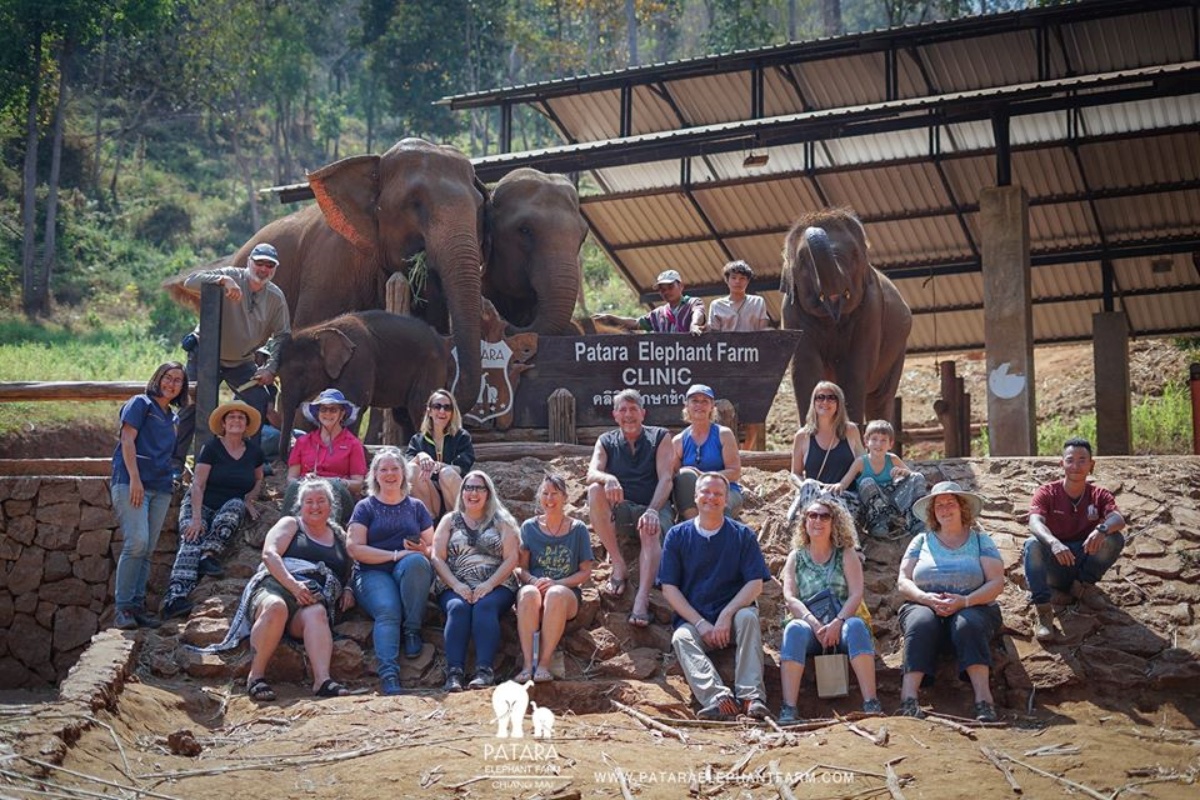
307	574
442	452
822	559
331	451
556	559
390	536
950	577
474	554
704	446
229	474
824	450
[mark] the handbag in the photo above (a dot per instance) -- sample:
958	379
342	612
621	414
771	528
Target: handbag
824	606
833	674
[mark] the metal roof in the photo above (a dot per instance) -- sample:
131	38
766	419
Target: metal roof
1093	108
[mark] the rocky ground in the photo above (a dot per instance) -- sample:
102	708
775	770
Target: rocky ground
1113	703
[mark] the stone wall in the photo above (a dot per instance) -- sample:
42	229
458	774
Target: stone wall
59	543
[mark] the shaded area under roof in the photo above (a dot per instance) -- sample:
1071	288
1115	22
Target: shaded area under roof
1094	108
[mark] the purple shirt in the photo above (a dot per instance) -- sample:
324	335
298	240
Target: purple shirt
388	526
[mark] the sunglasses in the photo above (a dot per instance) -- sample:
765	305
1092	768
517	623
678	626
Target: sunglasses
473	488
440	407
819	515
825	398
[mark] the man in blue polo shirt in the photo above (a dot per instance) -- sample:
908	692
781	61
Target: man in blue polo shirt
711	572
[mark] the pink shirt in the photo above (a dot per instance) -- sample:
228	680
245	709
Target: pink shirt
343	458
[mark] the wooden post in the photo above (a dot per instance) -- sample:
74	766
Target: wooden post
1194	374
948	409
398	300
562	417
208	360
898	424
964	417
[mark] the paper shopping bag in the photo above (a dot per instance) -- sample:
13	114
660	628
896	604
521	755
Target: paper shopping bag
833	675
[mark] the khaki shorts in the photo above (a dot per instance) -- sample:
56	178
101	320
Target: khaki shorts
627	514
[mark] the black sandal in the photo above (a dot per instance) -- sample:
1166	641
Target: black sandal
331	688
260	691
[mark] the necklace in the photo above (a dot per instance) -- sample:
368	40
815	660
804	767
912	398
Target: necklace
561	527
1074	503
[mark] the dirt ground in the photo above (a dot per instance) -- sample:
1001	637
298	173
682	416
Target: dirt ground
1112	706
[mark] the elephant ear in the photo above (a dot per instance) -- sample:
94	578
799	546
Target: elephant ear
336	351
348	193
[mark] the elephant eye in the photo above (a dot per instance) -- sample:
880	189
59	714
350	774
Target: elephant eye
525	230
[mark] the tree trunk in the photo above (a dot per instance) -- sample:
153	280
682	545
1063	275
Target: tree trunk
31	294
831	17
244	165
60	113
631	24
97	134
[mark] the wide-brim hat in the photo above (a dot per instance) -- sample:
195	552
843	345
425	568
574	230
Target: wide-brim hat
974	501
331	397
217	418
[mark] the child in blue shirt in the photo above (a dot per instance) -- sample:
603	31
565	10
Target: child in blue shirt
887	488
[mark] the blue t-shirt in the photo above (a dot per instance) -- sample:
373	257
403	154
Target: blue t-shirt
957	571
710	571
882	478
154	443
388	526
556	557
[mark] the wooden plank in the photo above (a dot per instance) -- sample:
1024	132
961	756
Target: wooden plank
73	391
91	467
208	360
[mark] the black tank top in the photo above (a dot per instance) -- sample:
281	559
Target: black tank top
841	457
336	557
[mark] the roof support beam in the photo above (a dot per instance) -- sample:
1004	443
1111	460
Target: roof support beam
1089	297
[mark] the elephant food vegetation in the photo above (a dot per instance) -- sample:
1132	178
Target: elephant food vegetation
853	322
375	358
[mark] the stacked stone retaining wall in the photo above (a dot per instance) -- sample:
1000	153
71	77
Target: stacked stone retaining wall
59	543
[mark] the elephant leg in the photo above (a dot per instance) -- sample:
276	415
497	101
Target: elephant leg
518	719
852	378
880	402
806	373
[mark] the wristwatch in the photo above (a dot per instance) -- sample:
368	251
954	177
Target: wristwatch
1102	528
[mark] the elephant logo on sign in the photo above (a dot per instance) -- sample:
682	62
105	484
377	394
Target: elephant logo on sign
509	701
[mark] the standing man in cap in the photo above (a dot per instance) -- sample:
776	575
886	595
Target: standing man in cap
254	313
680	314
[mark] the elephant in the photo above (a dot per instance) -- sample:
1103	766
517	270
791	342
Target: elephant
509	701
375	357
854	322
543	722
534	232
374	214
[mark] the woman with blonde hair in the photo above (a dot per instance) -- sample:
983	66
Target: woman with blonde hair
475	550
391	533
442	452
824	449
823	592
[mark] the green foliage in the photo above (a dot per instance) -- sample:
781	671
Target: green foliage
604	289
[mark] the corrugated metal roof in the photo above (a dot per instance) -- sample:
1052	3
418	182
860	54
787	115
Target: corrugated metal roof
1122	173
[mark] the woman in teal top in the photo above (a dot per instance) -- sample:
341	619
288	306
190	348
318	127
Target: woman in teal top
950	578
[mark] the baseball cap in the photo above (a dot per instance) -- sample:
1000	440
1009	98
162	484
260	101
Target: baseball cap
700	388
264	252
668	276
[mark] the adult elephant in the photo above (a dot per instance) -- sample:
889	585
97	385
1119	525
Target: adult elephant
853	321
534	232
374	213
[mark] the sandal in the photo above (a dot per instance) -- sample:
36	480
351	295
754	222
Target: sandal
260	691
640	620
542	675
331	688
524	676
615	587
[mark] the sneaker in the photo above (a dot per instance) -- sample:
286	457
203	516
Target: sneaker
484	677
1043	628
872	706
145	620
210	566
175	607
454	680
787	715
985	711
1089	595
125	620
412	644
910	708
390	685
723	709
755	708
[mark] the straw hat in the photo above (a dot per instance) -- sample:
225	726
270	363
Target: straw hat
216	420
974	501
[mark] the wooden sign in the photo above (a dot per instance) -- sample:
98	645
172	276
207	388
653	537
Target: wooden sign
744	368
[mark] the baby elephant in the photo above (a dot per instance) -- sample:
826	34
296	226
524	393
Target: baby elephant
375	357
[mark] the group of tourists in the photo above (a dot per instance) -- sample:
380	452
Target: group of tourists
424	523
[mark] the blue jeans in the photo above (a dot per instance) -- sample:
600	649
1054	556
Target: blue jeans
1043	572
800	641
395	599
479	623
140	527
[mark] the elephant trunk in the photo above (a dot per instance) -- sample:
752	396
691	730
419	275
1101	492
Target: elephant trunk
557	283
827	272
458	265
